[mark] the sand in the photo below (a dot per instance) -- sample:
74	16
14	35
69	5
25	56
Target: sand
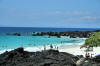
75	50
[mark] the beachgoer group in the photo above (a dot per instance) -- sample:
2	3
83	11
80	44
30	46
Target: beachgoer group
51	47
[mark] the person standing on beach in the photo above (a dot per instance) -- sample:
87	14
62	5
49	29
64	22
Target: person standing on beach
87	55
87	48
51	47
57	47
44	47
91	55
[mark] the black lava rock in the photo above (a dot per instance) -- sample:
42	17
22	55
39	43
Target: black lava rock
19	57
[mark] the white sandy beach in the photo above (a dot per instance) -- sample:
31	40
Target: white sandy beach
75	50
72	49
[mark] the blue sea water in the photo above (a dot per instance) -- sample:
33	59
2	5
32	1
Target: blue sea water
36	41
26	40
29	30
37	29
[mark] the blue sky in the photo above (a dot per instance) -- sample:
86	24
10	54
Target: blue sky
50	13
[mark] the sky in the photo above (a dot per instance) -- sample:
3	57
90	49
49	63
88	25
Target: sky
50	13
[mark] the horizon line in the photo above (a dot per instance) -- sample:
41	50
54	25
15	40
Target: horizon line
47	27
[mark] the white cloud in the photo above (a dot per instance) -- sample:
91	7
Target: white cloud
82	19
92	17
74	12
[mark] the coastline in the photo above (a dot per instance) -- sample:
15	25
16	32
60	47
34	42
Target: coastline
71	49
41	47
68	54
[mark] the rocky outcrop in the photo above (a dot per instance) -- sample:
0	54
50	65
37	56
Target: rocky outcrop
13	34
19	57
17	34
72	34
97	59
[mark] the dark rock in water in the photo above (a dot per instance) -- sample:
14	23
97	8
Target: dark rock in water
72	34
19	57
17	34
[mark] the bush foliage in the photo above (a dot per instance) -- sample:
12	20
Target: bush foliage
93	40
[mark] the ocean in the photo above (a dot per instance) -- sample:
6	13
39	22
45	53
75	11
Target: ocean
36	43
37	29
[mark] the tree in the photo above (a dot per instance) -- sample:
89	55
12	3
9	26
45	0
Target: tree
93	40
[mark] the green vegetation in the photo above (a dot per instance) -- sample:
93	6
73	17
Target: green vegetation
93	40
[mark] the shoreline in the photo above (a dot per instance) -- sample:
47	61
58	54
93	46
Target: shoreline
40	48
68	48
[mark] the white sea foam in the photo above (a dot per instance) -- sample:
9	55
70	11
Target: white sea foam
2	51
34	49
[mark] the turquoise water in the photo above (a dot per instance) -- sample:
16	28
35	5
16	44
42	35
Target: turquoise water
11	42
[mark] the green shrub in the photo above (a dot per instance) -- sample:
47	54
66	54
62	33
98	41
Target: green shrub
93	40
